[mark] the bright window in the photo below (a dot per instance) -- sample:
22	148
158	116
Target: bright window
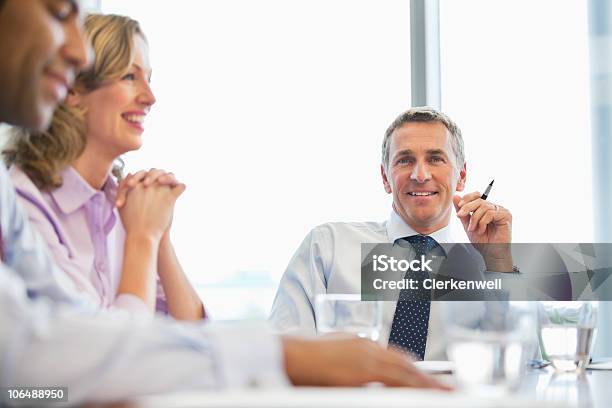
514	75
273	113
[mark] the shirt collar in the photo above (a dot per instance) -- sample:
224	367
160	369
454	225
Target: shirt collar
76	192
397	228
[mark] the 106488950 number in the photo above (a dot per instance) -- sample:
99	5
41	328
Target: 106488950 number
15	394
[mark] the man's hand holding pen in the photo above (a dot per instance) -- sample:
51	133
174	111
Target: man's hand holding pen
488	227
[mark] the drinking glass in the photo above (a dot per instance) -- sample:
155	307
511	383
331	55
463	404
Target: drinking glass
567	331
348	314
489	343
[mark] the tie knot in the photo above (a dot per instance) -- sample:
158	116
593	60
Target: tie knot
422	244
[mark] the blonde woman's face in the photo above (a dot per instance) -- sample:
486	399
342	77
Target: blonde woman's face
115	112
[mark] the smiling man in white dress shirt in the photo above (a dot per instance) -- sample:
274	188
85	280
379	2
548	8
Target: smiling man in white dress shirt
423	167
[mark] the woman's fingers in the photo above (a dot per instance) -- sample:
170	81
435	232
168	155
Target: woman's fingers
147	178
168	179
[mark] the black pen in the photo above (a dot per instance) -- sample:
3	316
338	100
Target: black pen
488	190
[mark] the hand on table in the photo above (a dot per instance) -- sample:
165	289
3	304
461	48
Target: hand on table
351	361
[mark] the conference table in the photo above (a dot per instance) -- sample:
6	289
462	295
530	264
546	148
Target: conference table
592	389
540	388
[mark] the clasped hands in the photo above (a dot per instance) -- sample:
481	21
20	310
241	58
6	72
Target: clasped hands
489	229
146	202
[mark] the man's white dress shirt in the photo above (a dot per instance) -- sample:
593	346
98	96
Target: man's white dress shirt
329	261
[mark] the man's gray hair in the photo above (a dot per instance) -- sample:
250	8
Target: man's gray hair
425	114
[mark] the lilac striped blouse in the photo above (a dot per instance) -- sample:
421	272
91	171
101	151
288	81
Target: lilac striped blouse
85	235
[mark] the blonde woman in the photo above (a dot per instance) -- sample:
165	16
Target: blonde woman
110	235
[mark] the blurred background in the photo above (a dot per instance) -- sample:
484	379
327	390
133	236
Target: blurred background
272	112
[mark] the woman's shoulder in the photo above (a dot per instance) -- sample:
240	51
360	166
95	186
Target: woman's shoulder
30	196
18	176
41	210
23	184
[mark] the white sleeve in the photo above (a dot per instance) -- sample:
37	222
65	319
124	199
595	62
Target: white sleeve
108	356
304	278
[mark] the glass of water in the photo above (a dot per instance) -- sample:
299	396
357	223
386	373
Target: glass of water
489	343
348	314
567	331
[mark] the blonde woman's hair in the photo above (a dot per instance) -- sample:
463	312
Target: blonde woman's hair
42	156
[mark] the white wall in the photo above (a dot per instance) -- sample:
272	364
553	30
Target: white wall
273	113
515	76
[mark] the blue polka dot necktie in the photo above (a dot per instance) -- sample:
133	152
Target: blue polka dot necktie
411	319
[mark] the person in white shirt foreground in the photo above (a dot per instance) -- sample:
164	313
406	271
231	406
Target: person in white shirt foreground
49	336
423	166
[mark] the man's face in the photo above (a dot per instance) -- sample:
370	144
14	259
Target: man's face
42	49
422	175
